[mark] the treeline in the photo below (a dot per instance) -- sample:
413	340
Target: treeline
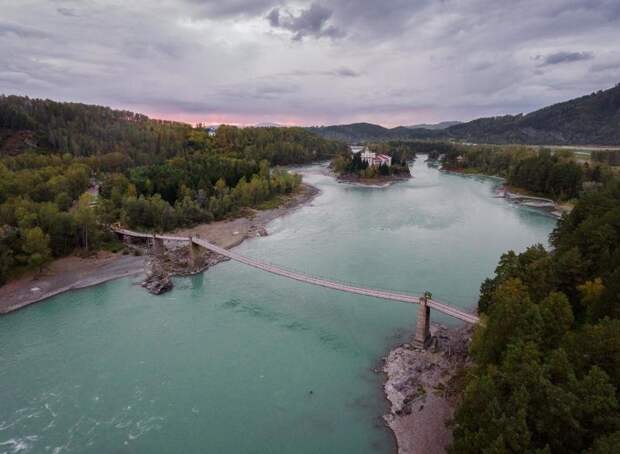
165	197
554	174
280	146
86	130
67	171
547	363
46	213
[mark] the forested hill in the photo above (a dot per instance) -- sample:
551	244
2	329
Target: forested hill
67	171
589	120
593	119
86	130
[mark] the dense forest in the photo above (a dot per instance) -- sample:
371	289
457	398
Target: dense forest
546	374
84	130
589	120
546	364
553	174
67	171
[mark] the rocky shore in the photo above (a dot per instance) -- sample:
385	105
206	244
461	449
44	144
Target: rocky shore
523	198
423	387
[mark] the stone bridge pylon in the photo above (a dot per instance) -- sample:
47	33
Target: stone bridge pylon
423	323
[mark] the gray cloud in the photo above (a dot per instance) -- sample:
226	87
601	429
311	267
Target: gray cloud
264	91
230	8
7	28
143	49
312	21
345	72
391	62
341	72
557	58
612	64
68	12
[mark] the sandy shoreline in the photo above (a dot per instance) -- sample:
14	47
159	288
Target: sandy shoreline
231	233
67	273
70	273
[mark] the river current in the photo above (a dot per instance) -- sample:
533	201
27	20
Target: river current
239	361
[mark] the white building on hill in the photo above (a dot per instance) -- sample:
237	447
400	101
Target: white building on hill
374	159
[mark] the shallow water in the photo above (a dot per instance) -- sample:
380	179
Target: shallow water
239	361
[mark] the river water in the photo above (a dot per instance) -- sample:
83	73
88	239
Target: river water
239	361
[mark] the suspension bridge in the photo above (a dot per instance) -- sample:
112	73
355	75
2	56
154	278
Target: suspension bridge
426	302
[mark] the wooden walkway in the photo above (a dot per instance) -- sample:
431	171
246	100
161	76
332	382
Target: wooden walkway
340	286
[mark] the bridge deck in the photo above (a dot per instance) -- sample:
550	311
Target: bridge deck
383	294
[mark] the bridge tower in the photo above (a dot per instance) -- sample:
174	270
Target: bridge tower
422	329
194	253
158	246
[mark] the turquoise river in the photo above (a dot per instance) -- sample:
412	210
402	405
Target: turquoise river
239	361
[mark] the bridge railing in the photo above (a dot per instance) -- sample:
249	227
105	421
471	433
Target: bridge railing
408	292
337	280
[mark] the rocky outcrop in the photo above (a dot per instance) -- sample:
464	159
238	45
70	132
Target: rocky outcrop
176	261
158	283
420	388
157	280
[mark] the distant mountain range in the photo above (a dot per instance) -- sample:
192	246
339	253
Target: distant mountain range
266	124
441	125
362	132
589	120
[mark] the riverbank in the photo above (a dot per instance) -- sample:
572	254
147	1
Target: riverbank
520	196
231	233
70	273
423	386
67	273
515	193
378	182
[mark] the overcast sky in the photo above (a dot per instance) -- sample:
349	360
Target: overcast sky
310	62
